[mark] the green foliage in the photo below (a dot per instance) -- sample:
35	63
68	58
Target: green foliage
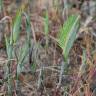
16	25
46	23
28	27
33	67
46	27
23	52
21	58
67	34
8	48
1	5
10	41
28	30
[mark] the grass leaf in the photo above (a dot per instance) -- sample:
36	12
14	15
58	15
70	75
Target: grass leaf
16	25
8	47
28	27
46	26
67	34
23	54
1	5
46	23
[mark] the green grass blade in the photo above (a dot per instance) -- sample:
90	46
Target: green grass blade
22	57
46	23
1	5
67	34
8	48
24	52
16	25
46	27
25	48
28	27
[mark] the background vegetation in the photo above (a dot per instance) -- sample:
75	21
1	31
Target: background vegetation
47	48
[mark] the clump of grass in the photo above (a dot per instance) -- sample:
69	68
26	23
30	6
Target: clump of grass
11	43
66	38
